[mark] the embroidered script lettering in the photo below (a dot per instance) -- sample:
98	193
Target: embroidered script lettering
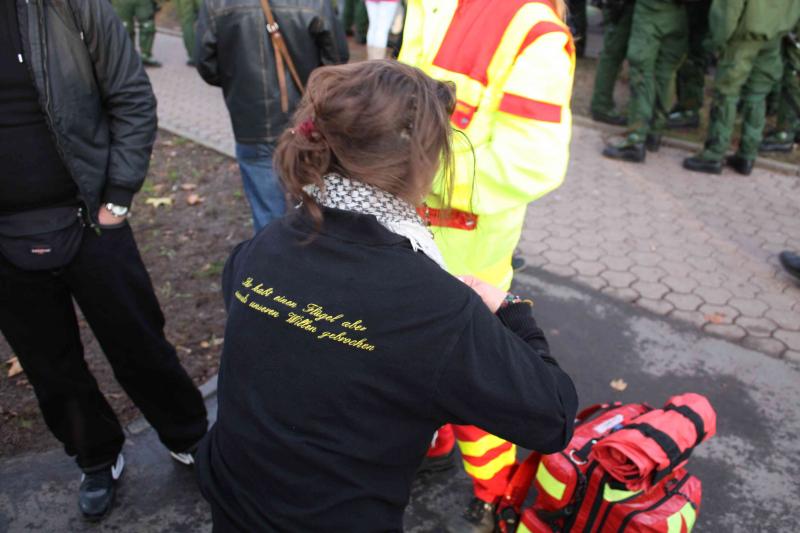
258	296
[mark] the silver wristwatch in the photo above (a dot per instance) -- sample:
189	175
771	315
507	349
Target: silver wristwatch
117	210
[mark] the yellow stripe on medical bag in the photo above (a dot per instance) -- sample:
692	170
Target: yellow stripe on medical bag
551	485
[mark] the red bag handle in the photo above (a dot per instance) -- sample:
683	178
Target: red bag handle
509	508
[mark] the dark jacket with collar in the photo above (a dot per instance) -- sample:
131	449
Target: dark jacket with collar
341	359
96	97
234	52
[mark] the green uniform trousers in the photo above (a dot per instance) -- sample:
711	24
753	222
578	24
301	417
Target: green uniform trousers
355	13
692	74
616	32
747	70
789	105
658	43
187	13
141	11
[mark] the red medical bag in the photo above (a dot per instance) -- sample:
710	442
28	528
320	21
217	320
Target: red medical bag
576	493
669	507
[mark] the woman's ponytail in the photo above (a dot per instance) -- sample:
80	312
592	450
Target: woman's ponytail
302	158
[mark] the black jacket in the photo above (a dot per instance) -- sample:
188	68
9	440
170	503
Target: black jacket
341	359
94	92
234	52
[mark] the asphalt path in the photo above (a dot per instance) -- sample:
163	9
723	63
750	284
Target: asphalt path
749	469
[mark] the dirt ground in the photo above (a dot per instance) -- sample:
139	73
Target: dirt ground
184	247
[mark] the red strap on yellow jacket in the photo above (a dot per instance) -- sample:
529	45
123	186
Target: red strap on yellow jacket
448	218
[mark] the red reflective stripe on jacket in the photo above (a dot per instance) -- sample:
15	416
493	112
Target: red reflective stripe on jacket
527	108
545	27
452	218
462	51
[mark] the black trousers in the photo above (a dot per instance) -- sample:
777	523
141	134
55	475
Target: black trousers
110	284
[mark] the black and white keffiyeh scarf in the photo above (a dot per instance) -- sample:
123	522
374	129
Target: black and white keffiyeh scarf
393	213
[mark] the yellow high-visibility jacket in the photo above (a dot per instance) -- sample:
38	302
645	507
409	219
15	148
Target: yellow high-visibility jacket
513	63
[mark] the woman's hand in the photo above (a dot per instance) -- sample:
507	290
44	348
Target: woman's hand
491	295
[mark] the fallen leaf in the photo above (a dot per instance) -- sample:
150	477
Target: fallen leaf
194	199
619	384
216	342
715	318
14	367
159	201
188	186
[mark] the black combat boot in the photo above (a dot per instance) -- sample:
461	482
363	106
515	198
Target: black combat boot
479	517
627	151
777	141
653	142
612	118
740	164
688	119
701	164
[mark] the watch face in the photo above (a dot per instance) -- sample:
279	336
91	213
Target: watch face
117	210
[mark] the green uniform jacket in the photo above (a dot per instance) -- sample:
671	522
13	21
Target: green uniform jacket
751	19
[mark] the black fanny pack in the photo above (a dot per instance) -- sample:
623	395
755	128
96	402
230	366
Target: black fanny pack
42	239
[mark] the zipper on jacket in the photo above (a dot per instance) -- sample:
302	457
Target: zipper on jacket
48	112
674	491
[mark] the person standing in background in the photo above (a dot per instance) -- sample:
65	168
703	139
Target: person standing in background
691	79
617	19
381	16
657	46
235	52
187	13
749	39
143	12
787	126
513	65
355	20
578	24
76	147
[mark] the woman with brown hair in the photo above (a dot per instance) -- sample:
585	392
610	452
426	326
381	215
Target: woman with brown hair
347	343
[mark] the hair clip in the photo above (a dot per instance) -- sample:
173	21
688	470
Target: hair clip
307	129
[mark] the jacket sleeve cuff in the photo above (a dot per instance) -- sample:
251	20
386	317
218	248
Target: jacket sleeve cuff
519	319
118	195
